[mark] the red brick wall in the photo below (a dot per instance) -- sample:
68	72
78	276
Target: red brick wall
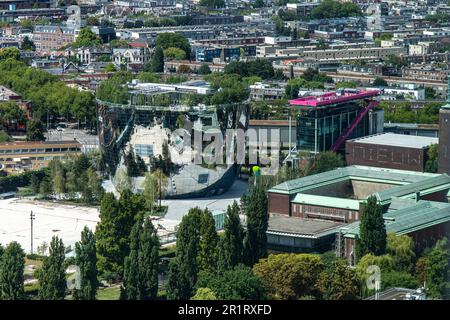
278	203
384	156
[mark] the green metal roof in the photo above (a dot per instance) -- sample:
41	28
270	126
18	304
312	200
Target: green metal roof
343	203
416	216
426	186
405	183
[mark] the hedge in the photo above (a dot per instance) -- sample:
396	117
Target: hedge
12	182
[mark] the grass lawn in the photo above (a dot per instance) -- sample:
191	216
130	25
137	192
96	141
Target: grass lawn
111	293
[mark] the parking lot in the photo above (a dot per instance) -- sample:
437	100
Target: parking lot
65	221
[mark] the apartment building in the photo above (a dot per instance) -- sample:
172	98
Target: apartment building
52	38
425	73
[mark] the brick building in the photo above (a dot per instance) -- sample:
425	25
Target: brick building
390	150
52	38
306	214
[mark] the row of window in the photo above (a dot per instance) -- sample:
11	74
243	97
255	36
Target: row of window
38	150
35	158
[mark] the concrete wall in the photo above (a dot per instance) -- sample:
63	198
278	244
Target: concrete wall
362	189
340	190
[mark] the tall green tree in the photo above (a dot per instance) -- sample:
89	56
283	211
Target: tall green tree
12	264
27	44
35	131
108	242
207	258
255	241
435	263
156	64
231	243
184	269
86	260
141	265
130	289
86	38
372	230
149	261
52	275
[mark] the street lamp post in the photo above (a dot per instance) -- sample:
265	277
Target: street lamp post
32	217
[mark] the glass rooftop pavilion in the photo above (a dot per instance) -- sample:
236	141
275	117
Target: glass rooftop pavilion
327	120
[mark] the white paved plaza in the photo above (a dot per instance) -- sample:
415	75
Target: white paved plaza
65	221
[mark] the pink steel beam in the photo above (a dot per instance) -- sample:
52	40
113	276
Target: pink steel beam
332	98
335	147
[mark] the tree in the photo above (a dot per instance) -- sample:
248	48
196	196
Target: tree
212	3
9	53
431	164
149	261
108	241
12	264
45	187
110	67
255	241
204	69
27	44
372	231
86	260
231	243
130	289
92	21
339	282
346	84
325	161
334	9
312	74
10	112
151	190
290	276
34	184
58	182
167	40
430	93
207	257
174	53
86	38
156	64
184	69
122	180
4	137
239	283
184	268
396	279
401	249
435	269
52	275
35	131
204	294
379	82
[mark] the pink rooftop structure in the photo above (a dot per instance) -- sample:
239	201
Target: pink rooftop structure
334	97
